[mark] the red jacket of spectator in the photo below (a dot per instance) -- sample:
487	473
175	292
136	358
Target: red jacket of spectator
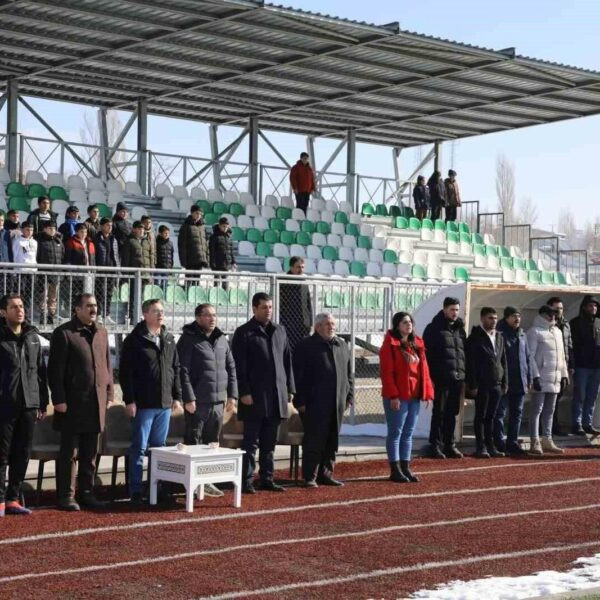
78	254
302	178
401	379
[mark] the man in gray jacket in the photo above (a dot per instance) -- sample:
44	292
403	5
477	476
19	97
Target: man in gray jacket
208	380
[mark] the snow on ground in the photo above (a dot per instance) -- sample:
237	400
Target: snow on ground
585	574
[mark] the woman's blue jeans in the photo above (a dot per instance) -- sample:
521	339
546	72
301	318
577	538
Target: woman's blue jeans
400	428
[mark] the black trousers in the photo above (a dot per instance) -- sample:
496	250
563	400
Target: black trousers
103	288
80	447
16	435
436	211
319	443
450	213
486	405
204	426
302	200
446	406
259	435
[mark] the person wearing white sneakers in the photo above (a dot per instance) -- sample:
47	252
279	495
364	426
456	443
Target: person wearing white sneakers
549	371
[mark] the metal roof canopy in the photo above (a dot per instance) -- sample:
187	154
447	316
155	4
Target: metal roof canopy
226	61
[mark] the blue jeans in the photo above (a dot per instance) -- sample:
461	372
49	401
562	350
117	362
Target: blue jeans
514	403
149	430
400	427
585	392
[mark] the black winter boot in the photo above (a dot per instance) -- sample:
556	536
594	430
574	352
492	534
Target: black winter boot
405	469
397	475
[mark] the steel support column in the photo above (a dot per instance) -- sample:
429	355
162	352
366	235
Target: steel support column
214	155
253	157
12	93
437	156
142	146
104	170
351	195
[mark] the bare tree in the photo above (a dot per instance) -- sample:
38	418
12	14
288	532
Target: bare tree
527	213
505	187
568	226
589	235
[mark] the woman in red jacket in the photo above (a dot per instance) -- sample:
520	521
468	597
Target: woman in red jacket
405	383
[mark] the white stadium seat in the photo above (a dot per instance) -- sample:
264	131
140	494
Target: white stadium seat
327	216
313	252
137	212
114	198
215	196
78	195
133	188
170	203
34	177
376	256
373	269
261	223
185	204
340	267
292	225
389	270
161	190
198	193
334	240
378	243
338	229
246	248
297	250
55	179
298	214
346	254
319	239
271	200
309	266
355	219
95	183
325	267
318	204
268	212
361	254
113	185
180	192
280	250
345	207
75	182
97	197
332	206
273	265
230	196
287	201
246	198
349	241
252	210
313	215
245	222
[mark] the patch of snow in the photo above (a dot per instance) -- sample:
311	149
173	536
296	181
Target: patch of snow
585	574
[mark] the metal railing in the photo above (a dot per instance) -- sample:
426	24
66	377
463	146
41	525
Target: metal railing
492	224
545	252
518	235
468	213
574	262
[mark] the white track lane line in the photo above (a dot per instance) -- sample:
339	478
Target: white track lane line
290	541
278	589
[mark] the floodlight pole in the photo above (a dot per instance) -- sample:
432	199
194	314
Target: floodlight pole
142	145
351	196
437	156
253	157
12	96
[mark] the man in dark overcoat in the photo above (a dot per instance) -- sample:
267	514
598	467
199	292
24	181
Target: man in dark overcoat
324	390
295	306
81	384
263	363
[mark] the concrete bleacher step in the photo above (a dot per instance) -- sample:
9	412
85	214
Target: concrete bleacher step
459	260
405	233
481	274
255	264
430	246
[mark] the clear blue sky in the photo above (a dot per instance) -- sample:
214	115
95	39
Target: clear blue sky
554	163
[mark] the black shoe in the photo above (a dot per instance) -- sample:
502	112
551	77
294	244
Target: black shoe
326	480
515	451
578	430
500	445
495	453
270	486
136	499
591	430
68	505
248	489
88	500
435	452
311	483
453	452
481	453
405	469
396	474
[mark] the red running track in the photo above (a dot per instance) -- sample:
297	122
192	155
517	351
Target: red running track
466	519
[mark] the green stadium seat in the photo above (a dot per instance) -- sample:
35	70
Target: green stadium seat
217	296
105	211
14	188
211	219
34	190
560	278
277	224
287	237
367	210
461	274
323	227
477	238
330	253
414	224
286	264
547	278
427	224
390	256
264	249
532	265
452	236
407	212
401	223
452	226
381	210
367	300
283	212
401	301
332	300
238	234
503	252
19	203
465	237
57	193
519	263
218	208
358	269
395	211
439	225
463	228
352	229
236	209
238	297
124	293
341	217
308	226
271	236
176	295
151	292
303	238
534	276
364	241
418	272
254	235
479	249
204	205
506	263
491	250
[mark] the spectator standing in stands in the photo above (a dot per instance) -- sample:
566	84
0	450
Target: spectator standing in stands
421	197
437	194
302	179
93	220
50	251
405	383
487	379
107	255
67	229
550	374
24	248
79	250
42	214
193	247
453	200
263	364
165	254
149	238
519	382
324	390
23	399
12	228
122	227
136	255
151	383
444	341
208	380
556	303
585	331
295	306
81	383
5	243
220	249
